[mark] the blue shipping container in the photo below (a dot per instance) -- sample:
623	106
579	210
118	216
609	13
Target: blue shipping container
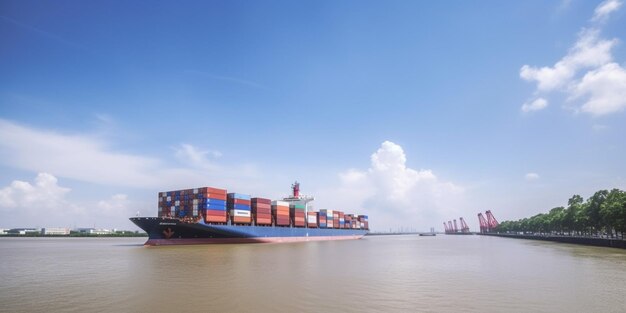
214	201
234	195
239	206
211	206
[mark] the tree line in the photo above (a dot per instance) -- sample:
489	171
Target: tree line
603	214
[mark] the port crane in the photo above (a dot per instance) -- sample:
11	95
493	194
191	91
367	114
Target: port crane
451	227
487	224
464	227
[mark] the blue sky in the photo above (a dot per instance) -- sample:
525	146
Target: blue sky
412	112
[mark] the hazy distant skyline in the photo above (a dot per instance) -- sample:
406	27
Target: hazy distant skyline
411	112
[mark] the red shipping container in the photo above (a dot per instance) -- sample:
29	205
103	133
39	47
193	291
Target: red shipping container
265	221
239	201
261	200
261	206
215	213
212	190
241	220
215	196
215	219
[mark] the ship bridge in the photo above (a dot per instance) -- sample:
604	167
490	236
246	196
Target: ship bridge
297	198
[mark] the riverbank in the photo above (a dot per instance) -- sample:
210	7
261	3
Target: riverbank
588	241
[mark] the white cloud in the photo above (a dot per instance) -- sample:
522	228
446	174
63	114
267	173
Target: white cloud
117	206
586	70
536	105
395	195
589	51
604	88
90	158
605	8
531	176
44	193
192	155
45	203
81	157
42	202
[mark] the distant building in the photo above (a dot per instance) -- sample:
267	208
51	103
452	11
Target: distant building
93	231
23	231
3	231
55	231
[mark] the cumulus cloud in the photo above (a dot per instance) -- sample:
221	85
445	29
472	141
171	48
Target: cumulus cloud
535	105
587	73
531	176
604	89
39	202
44	202
44	193
395	195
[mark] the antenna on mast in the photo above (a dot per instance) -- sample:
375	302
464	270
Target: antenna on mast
296	189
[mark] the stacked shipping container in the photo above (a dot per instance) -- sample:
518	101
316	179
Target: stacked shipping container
297	214
363	222
280	212
311	219
214	205
262	211
239	207
348	221
321	216
193	203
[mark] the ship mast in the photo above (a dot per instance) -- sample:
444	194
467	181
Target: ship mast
297	198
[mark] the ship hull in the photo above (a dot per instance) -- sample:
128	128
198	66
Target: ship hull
166	231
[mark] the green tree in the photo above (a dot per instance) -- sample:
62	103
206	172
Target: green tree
613	212
573	205
592	210
555	218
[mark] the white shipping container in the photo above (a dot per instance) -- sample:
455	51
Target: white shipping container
312	219
195	191
177	202
195	201
281	203
169	198
173	210
241	213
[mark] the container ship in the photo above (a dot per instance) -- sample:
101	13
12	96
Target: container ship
209	215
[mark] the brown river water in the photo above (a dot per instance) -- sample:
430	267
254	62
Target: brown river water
374	274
